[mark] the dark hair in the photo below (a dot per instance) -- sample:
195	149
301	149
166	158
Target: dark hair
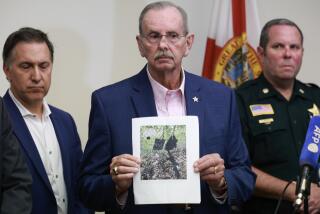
264	36
26	34
161	5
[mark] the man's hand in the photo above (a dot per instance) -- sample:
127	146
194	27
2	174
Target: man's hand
211	169
314	200
122	170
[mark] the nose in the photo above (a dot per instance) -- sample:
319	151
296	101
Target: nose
36	74
163	43
287	52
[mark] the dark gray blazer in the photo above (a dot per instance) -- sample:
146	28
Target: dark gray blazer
15	179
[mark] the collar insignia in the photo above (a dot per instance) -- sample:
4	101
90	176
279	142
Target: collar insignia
301	91
265	90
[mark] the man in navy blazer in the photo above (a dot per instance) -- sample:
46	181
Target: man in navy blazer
163	88
47	135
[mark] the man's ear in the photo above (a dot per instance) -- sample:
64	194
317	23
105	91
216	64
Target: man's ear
140	45
190	39
6	71
260	52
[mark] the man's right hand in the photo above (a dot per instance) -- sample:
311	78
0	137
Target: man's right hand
122	170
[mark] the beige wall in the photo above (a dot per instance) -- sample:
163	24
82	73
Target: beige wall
95	41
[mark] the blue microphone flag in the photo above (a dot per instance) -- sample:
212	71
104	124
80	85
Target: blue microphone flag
310	150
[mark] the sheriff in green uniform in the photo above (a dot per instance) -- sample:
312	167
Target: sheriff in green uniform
275	111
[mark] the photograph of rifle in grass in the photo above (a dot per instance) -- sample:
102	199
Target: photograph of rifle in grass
163	152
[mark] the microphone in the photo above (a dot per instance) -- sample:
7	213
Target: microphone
308	160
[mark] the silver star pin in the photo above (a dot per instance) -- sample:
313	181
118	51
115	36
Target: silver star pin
195	99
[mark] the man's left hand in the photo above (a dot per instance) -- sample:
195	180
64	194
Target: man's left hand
211	169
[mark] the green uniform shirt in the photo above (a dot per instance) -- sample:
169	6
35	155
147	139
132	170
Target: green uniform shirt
274	129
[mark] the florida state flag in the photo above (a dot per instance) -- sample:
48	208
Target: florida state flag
230	56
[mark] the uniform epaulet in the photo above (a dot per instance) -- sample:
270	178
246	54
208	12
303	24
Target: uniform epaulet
311	85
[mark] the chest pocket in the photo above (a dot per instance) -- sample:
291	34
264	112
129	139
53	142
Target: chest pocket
268	142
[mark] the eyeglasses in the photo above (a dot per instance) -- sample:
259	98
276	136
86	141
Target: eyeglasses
170	37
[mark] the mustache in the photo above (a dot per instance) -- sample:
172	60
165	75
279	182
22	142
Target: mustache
160	54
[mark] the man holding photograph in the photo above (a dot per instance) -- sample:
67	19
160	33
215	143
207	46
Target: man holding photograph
164	88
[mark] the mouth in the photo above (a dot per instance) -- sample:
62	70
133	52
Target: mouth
287	66
36	89
163	57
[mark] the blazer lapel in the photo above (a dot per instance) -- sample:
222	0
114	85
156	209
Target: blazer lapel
195	102
26	141
142	96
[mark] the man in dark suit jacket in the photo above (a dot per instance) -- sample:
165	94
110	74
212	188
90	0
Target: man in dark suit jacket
47	135
108	166
15	179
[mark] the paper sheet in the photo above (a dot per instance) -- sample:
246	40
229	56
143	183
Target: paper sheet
168	147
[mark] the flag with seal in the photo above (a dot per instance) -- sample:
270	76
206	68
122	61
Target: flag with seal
230	56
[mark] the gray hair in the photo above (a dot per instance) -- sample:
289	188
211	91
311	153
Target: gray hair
162	5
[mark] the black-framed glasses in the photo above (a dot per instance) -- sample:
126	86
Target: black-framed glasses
171	37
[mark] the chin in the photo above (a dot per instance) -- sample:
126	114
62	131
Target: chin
36	96
165	66
288	75
287	78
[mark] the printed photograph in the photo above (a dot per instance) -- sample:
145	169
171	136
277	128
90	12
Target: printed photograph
163	152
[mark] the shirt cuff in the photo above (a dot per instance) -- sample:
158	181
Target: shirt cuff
220	199
122	199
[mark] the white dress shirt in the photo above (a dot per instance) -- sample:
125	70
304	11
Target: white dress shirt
45	139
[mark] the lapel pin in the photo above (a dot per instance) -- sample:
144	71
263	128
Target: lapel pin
195	99
301	91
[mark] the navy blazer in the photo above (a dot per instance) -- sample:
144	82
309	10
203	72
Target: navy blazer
71	153
112	110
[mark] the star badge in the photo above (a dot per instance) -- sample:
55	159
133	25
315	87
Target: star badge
314	110
195	99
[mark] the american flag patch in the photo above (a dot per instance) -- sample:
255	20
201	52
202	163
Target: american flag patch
261	109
